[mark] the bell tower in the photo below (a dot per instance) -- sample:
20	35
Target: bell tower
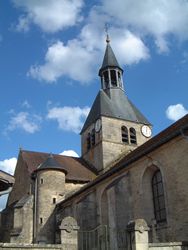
114	125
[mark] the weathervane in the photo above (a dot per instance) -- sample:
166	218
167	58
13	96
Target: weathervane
107	35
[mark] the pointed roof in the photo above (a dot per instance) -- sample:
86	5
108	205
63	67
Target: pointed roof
77	169
117	105
51	163
109	58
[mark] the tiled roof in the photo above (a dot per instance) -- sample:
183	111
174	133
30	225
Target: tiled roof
76	168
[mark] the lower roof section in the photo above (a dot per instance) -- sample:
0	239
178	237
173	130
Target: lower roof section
76	168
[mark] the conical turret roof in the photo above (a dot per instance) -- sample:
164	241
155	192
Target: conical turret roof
51	163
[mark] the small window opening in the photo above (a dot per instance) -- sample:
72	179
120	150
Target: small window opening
133	136
119	79
124	134
88	141
113	78
41	220
106	79
158	197
41	181
93	137
54	200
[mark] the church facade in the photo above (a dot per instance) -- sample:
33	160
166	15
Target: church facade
123	174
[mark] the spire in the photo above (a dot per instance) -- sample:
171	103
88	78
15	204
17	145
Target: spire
110	71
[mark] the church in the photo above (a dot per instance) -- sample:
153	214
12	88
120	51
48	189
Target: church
124	174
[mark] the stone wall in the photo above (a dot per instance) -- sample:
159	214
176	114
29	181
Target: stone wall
127	195
50	188
11	246
168	246
22	185
108	142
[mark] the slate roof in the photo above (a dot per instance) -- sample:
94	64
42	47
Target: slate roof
51	163
77	169
109	59
115	105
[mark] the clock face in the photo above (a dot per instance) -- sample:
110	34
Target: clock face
98	125
146	131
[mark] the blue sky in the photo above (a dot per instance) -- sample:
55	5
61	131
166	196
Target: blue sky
50	54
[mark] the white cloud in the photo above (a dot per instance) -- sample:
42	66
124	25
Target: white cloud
24	121
72	60
49	15
157	18
69	118
65	60
175	112
80	58
8	165
69	153
128	47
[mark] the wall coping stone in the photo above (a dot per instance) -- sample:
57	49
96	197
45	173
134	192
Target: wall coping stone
24	245
161	244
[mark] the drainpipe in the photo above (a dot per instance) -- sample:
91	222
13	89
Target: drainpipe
35	212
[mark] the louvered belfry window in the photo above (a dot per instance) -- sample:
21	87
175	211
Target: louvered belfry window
124	134
88	141
93	137
133	139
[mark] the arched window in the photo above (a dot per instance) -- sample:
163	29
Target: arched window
132	136
124	134
88	141
113	78
158	197
93	137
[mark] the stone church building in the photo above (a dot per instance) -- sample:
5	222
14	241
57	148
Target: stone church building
123	174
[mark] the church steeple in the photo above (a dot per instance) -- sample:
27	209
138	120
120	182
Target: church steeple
114	125
110	71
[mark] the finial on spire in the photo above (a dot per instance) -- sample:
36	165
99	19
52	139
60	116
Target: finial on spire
107	35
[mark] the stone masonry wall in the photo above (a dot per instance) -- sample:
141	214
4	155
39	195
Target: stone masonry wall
50	188
127	195
108	142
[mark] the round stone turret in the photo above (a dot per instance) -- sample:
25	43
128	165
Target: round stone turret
49	190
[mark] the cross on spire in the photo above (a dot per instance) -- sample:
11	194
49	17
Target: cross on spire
107	35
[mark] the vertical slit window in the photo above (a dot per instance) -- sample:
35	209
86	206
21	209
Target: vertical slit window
158	197
124	134
54	200
41	181
133	136
93	137
41	220
113	78
88	141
